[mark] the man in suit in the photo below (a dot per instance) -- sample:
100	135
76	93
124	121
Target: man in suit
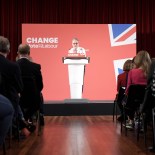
33	84
11	82
76	50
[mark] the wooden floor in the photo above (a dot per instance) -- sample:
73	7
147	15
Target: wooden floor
79	135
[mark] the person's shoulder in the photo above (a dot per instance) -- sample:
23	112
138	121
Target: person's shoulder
12	63
36	64
135	70
122	75
13	66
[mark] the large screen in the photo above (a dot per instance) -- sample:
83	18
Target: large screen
107	45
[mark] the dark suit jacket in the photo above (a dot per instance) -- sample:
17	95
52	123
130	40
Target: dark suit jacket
11	82
33	84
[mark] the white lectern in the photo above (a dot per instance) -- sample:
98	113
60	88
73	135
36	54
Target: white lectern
76	70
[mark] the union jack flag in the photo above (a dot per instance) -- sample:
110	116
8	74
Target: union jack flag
121	35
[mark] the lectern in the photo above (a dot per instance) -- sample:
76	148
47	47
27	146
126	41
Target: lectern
76	70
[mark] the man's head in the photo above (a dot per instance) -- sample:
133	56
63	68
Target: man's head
75	42
4	45
24	49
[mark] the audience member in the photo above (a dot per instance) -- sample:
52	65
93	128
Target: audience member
6	116
138	75
29	101
122	78
11	82
149	98
149	101
11	85
122	82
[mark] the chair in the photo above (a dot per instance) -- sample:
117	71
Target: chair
118	100
153	129
4	148
151	148
4	90
134	100
30	100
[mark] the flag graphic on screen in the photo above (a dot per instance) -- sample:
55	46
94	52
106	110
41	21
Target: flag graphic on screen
118	66
121	35
120	70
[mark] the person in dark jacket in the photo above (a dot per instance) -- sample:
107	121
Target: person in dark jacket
11	82
33	83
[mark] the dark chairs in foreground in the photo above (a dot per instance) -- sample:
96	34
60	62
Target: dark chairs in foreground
131	108
118	102
149	121
31	101
6	116
152	148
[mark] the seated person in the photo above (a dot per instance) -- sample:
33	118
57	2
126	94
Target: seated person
6	117
32	79
138	75
122	82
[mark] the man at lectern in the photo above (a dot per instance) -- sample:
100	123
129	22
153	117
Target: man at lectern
76	50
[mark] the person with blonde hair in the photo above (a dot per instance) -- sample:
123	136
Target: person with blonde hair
138	75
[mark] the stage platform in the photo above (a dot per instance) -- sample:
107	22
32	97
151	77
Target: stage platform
78	107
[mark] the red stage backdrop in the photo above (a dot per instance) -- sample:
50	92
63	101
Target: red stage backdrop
108	45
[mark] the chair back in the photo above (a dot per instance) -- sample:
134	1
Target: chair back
121	94
135	96
30	93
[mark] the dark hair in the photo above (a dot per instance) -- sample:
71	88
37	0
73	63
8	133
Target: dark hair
4	45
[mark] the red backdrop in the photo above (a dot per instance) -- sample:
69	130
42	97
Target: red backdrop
100	77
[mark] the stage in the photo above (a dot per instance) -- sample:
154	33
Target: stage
83	107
